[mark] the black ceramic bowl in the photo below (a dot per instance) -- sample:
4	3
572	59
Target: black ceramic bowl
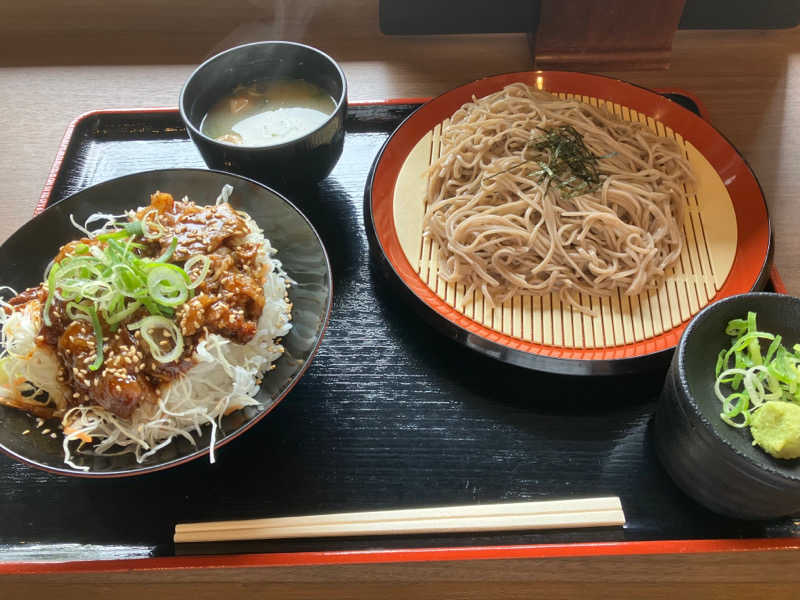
309	158
715	464
24	256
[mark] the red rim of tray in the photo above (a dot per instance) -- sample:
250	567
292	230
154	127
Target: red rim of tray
404	555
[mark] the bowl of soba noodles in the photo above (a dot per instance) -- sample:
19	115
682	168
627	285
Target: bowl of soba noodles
564	222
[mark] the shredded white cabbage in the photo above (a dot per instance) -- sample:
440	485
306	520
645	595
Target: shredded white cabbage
110	223
225	194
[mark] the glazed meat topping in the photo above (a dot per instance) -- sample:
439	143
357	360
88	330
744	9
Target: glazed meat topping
229	302
198	229
230	299
120	385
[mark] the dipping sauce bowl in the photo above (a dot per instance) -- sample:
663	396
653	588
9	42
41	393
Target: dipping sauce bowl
712	462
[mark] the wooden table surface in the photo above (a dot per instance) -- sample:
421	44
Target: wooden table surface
748	80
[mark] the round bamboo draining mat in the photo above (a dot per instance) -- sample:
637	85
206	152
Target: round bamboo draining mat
709	230
727	232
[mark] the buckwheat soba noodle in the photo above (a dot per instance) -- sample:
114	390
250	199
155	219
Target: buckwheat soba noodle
533	194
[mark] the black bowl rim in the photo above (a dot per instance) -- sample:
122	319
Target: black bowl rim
196	131
200	452
681	382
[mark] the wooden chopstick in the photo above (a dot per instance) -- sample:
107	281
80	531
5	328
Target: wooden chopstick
477	510
549	514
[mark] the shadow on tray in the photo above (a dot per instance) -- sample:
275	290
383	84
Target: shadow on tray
506	383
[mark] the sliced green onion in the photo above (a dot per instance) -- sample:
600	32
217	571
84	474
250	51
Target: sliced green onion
98	334
151	306
98	254
720	361
736	327
126	312
168	252
129	230
170	330
189	264
753	346
773	348
113	235
116	251
78	312
51	290
167	285
151	230
135	228
128	282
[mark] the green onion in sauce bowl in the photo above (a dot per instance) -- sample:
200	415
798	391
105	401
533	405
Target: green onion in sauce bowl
760	389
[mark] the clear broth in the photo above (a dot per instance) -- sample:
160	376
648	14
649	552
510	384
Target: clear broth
266	113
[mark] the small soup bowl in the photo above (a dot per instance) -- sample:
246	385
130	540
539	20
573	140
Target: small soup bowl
305	159
710	461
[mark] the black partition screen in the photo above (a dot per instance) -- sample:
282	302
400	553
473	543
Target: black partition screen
423	17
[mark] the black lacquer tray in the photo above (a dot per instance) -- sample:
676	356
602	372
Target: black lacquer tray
390	414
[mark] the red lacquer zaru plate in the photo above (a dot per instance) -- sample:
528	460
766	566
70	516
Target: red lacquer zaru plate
726	229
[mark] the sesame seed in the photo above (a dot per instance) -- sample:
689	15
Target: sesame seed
45	431
117	388
53	435
26	432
